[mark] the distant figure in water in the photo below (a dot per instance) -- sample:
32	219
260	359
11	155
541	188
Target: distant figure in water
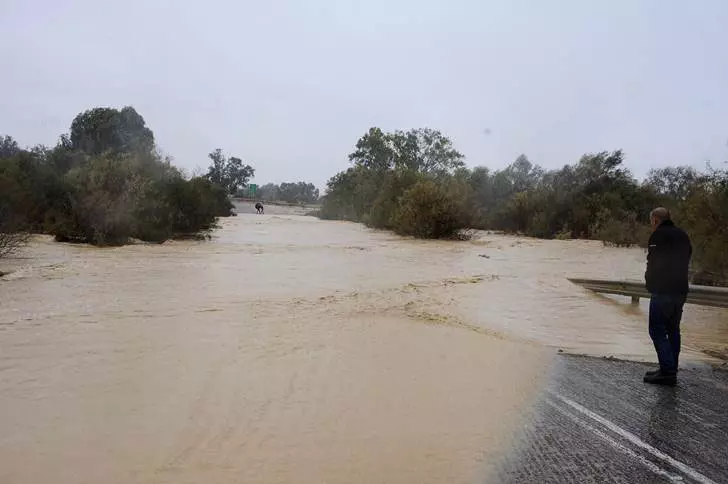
259	207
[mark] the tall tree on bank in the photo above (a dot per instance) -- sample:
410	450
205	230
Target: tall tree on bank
385	167
229	173
106	129
424	150
8	147
104	184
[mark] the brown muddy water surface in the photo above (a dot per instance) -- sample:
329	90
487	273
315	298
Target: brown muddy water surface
289	349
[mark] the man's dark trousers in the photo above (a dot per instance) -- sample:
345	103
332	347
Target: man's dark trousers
665	314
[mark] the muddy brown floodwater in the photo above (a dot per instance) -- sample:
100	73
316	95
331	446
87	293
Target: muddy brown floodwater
289	349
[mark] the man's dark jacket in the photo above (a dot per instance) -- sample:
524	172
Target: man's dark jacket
668	257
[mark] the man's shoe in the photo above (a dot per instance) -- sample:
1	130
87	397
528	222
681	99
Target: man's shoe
655	372
660	378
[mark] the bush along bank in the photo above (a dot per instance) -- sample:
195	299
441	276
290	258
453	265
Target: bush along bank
416	183
104	184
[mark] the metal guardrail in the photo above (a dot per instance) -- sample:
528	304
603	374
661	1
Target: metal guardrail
702	295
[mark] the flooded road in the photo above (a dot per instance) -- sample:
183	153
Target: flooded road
289	349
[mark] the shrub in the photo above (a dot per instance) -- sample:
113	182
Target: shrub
104	184
111	199
350	194
705	218
563	234
195	205
428	210
622	233
102	196
383	211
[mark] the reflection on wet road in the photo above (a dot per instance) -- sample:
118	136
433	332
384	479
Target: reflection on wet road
289	349
597	422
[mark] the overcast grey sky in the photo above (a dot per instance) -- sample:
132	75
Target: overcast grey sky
289	86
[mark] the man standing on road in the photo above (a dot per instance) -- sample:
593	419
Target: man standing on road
668	257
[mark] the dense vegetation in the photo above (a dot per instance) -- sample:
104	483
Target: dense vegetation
295	192
394	174
415	183
105	184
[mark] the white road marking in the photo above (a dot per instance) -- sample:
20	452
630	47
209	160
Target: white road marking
647	463
684	468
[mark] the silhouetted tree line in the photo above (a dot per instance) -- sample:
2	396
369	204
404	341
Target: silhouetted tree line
415	183
104	183
296	192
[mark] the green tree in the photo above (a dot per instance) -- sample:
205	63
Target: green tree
237	175
8	147
374	151
426	151
428	210
674	182
216	171
106	129
393	185
386	167
104	184
229	173
350	194
705	216
422	150
522	175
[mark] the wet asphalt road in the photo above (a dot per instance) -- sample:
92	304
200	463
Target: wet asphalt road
598	422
